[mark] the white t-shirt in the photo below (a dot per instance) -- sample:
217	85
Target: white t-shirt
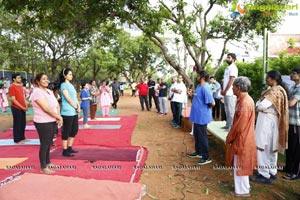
231	70
182	96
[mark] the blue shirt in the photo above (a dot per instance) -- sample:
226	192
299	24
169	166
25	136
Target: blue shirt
66	108
200	110
84	103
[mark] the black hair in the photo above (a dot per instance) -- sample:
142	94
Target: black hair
203	73
62	74
53	86
83	84
275	75
232	55
14	76
296	69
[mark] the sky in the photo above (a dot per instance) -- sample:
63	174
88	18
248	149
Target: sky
289	26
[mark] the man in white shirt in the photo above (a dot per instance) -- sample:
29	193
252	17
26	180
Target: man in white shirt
179	97
230	73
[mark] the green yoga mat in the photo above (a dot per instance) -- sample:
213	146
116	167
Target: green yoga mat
99	112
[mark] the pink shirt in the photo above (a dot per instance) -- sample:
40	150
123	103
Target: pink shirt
40	116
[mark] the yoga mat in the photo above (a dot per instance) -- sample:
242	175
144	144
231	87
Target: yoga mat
125	171
10	142
99	112
6	162
107	137
215	129
100	153
8	134
8	111
101	127
65	188
106	119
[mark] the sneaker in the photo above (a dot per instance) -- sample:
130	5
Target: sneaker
261	179
66	153
194	155
177	126
87	126
273	177
290	177
203	161
70	150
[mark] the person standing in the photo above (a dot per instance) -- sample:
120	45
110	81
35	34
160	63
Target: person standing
122	89
143	94
133	85
241	137
151	93
293	150
18	107
179	91
115	92
201	115
163	90
105	98
3	98
46	118
6	83
271	130
231	72
85	103
94	91
216	94
172	103
70	108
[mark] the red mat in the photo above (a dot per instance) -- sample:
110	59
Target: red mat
92	153
125	171
63	188
122	167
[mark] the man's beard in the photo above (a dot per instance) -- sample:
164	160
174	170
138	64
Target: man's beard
228	62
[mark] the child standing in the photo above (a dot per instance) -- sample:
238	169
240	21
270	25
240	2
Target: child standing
85	103
105	98
3	98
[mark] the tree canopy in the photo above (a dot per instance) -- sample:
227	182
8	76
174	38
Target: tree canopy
58	33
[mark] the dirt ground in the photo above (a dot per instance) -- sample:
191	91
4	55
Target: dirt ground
170	174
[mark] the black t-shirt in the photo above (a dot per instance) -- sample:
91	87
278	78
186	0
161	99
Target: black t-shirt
163	92
151	85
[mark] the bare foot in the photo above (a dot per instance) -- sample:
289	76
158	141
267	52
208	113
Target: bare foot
47	171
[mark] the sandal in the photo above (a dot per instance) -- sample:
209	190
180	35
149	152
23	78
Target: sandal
240	195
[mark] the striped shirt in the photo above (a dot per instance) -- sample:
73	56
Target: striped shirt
294	112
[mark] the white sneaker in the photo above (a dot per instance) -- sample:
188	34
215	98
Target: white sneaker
87	126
